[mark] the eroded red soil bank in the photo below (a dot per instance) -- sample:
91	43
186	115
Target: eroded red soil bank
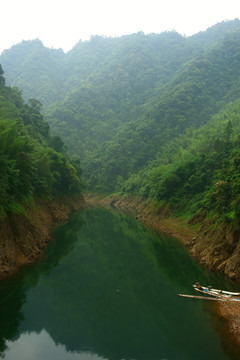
24	237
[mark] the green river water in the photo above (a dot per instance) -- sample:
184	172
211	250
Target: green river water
106	288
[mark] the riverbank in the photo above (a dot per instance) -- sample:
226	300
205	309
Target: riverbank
23	237
203	243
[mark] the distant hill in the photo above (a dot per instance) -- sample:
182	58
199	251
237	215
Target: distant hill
48	74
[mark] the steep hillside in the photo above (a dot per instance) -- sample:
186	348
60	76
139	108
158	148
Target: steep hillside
115	93
205	86
33	163
198	171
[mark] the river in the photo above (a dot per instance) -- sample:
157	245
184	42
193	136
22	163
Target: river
106	288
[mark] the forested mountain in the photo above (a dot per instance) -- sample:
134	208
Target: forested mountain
156	115
102	83
205	86
33	163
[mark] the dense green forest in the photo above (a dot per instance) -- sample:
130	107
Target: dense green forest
33	163
153	115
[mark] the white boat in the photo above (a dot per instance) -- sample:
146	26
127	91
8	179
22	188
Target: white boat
215	292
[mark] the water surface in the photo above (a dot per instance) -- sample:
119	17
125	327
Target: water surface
107	289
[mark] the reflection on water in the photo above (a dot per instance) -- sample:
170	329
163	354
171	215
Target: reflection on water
106	289
39	346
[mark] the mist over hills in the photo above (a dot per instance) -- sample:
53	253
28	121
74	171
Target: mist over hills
29	65
138	109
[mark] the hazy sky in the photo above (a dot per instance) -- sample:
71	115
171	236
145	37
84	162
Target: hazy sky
62	23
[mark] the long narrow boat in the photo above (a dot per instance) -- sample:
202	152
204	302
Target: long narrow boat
200	297
209	298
